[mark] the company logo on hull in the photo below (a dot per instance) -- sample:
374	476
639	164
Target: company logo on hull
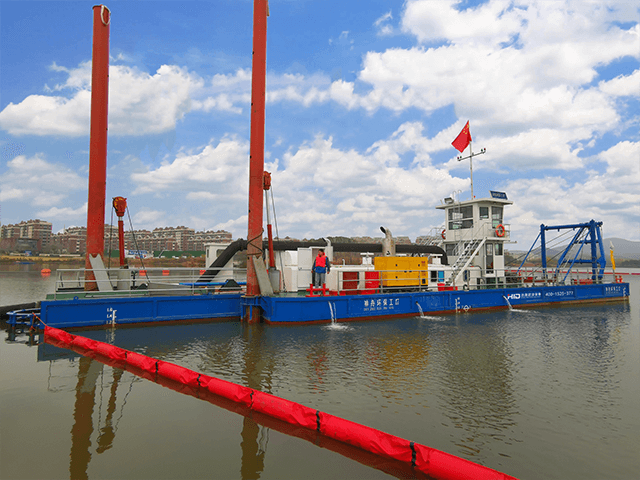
524	296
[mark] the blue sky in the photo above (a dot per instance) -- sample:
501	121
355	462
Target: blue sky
363	101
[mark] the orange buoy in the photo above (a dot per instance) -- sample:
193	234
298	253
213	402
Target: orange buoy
143	272
165	272
202	271
45	271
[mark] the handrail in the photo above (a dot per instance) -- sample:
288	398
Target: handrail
405	280
149	282
184	281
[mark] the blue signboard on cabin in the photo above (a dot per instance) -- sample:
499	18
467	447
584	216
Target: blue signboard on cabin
500	195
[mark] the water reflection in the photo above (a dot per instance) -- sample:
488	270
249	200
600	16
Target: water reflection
108	431
82	430
95	379
23	335
256	373
475	381
89	371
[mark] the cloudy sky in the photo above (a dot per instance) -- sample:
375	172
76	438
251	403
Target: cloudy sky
364	99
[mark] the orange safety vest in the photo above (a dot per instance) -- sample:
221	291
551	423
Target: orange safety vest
321	261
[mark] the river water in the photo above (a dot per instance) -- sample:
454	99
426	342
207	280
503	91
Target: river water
551	393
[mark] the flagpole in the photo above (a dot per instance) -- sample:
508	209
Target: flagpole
471	167
470	157
460	143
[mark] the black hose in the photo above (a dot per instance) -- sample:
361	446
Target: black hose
281	245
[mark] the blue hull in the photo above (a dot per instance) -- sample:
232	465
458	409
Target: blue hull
358	307
95	312
296	310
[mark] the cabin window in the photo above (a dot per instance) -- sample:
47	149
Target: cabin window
496	216
461	217
489	258
498	249
484	213
450	249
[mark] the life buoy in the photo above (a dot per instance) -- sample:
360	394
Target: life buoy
444	234
500	230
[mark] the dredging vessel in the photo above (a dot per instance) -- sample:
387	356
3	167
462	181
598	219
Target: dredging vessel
462	271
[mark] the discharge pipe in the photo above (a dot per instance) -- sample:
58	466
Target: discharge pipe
388	244
282	245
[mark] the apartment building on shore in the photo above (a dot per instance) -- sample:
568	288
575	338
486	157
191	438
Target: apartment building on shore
37	236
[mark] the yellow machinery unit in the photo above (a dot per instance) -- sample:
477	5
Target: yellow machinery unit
402	271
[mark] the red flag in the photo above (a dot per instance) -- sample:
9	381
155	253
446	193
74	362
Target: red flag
463	140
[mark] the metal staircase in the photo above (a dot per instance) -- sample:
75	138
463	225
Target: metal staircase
433	238
470	250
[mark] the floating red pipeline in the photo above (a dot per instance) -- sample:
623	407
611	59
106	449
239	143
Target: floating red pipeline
427	460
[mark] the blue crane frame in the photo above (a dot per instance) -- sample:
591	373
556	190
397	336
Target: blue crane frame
593	237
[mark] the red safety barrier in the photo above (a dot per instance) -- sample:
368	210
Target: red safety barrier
364	437
229	390
60	335
142	362
445	466
83	342
432	462
291	412
111	351
178	373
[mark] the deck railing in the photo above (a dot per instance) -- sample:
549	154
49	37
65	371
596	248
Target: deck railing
420	280
148	282
70	283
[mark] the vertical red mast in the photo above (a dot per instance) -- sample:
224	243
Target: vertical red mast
256	154
98	140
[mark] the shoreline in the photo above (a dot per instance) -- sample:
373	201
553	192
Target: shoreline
79	262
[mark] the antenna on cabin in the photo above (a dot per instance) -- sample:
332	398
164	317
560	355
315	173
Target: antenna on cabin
470	157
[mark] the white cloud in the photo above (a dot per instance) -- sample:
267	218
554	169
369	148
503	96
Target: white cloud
381	24
139	103
324	188
148	218
492	22
35	181
623	161
622	85
222	169
612	196
65	213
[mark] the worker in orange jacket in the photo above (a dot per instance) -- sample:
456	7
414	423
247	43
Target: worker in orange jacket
321	267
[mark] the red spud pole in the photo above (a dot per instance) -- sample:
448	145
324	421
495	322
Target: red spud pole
98	140
256	154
